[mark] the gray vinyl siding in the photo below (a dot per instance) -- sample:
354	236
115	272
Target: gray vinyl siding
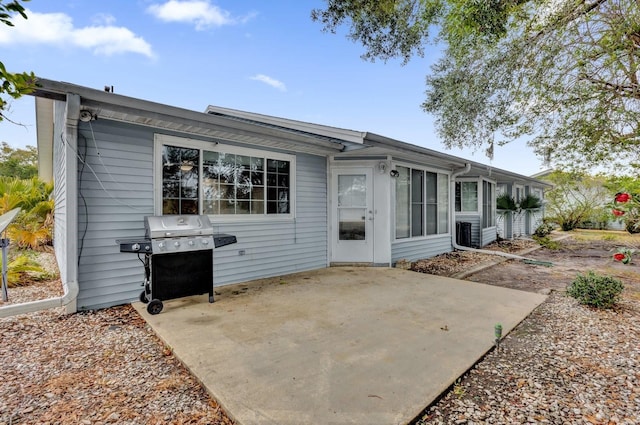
278	247
60	192
416	249
489	235
519	224
474	219
118	200
535	218
112	206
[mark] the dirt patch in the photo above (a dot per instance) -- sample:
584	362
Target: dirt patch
565	363
450	263
575	254
571	258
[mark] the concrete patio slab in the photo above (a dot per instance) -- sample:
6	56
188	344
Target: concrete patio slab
345	345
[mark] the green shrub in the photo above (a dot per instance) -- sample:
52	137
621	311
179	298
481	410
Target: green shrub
546	242
544	229
596	290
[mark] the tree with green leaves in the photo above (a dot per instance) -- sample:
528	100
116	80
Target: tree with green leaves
32	228
625	190
577	199
20	163
13	85
561	73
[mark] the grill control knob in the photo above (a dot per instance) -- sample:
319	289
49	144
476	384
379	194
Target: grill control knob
191	243
161	245
205	242
176	244
135	247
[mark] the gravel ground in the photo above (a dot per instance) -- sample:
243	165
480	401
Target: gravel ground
102	367
565	364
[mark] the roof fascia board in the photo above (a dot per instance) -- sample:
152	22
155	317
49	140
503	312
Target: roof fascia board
118	103
483	169
351	136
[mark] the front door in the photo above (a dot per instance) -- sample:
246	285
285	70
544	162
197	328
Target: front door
352	215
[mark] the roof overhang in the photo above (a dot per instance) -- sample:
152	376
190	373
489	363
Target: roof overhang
327	132
242	127
414	153
110	106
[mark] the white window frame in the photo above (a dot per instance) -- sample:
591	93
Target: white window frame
164	139
478	183
425	170
493	203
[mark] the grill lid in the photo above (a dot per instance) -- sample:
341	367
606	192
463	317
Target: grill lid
173	226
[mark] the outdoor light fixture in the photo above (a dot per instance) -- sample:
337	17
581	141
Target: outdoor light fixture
382	167
86	116
394	173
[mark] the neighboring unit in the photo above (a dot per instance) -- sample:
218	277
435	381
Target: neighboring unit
298	196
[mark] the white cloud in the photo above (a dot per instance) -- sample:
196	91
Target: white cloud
103	19
270	81
201	13
58	29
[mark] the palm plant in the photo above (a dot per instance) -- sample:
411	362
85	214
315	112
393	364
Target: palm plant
18	267
32	227
505	203
530	202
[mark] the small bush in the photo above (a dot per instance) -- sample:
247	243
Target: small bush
544	229
546	242
596	290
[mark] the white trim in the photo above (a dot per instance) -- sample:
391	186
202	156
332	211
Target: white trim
392	215
494	204
213	146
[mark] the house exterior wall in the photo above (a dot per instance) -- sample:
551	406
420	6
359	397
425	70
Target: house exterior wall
275	248
112	205
474	219
489	235
535	218
524	223
122	194
417	249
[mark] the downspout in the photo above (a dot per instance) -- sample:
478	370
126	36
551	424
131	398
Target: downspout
70	295
452	219
70	284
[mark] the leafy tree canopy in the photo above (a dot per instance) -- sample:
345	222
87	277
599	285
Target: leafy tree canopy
13	85
561	73
20	163
576	198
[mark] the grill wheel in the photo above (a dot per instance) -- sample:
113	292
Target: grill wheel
143	297
154	307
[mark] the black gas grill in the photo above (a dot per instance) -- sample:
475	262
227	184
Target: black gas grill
178	257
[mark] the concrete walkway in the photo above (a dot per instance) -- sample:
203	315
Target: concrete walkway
338	345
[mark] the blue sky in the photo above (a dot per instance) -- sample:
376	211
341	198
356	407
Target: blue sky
257	56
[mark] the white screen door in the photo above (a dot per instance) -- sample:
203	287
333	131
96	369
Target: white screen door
352	215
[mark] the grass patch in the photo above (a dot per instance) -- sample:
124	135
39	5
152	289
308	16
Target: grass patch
622	237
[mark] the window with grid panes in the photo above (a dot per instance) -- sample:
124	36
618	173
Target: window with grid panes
230	183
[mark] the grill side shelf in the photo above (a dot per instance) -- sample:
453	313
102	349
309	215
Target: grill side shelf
223	239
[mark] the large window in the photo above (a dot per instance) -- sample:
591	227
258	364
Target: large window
224	181
467	196
488	204
422	199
